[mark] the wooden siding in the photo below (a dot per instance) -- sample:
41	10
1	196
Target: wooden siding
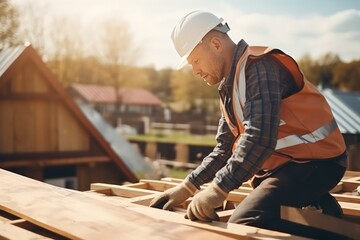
32	118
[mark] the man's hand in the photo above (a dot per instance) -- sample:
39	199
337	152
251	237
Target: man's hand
203	205
173	196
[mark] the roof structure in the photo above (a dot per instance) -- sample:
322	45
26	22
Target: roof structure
106	94
346	109
118	144
39	117
8	56
111	211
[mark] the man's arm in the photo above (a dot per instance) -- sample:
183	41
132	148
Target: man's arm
216	159
261	120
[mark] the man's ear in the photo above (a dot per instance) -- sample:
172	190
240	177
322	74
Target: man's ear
216	43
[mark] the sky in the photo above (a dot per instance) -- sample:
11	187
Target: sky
313	27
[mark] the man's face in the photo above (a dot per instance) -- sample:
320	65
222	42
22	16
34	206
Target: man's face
207	62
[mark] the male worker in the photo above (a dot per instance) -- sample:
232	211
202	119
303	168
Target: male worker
276	130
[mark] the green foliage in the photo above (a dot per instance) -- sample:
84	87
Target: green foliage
347	76
109	57
330	71
188	87
178	173
201	140
161	83
194	92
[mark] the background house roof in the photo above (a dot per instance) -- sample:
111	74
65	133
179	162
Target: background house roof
346	109
106	94
8	56
132	158
131	164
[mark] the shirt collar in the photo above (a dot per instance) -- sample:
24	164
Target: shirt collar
239	50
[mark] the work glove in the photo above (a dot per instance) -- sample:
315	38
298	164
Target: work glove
203	204
174	196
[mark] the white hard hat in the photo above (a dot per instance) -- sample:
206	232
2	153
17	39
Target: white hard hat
189	31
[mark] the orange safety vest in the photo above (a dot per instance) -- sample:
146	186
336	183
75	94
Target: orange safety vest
307	128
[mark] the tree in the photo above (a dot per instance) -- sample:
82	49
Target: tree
319	72
9	25
135	77
193	92
347	75
89	70
67	50
117	50
310	69
33	27
160	82
327	64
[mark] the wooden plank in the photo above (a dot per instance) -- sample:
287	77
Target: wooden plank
236	196
142	200
16	83
349	185
138	185
337	188
6	127
54	161
72	135
169	179
11	232
350	209
121	191
155	186
6	217
164	185
158	185
24	122
179	180
80	216
350	174
347	198
39	82
237	231
28	74
321	221
44	127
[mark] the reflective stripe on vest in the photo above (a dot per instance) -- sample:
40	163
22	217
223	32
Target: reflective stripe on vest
317	135
296	128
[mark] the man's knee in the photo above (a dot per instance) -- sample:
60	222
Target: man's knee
251	218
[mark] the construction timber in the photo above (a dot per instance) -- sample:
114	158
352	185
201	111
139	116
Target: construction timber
30	209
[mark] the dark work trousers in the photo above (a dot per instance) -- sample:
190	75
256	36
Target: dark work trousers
295	185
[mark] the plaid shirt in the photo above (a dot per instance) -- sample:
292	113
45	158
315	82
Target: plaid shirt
267	82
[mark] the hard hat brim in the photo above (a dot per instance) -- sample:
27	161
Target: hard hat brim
224	28
183	62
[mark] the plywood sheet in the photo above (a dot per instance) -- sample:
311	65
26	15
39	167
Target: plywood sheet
77	215
9	231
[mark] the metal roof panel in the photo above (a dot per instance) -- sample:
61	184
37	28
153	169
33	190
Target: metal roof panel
8	56
346	109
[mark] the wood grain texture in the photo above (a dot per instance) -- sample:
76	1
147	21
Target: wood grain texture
9	231
321	221
76	215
